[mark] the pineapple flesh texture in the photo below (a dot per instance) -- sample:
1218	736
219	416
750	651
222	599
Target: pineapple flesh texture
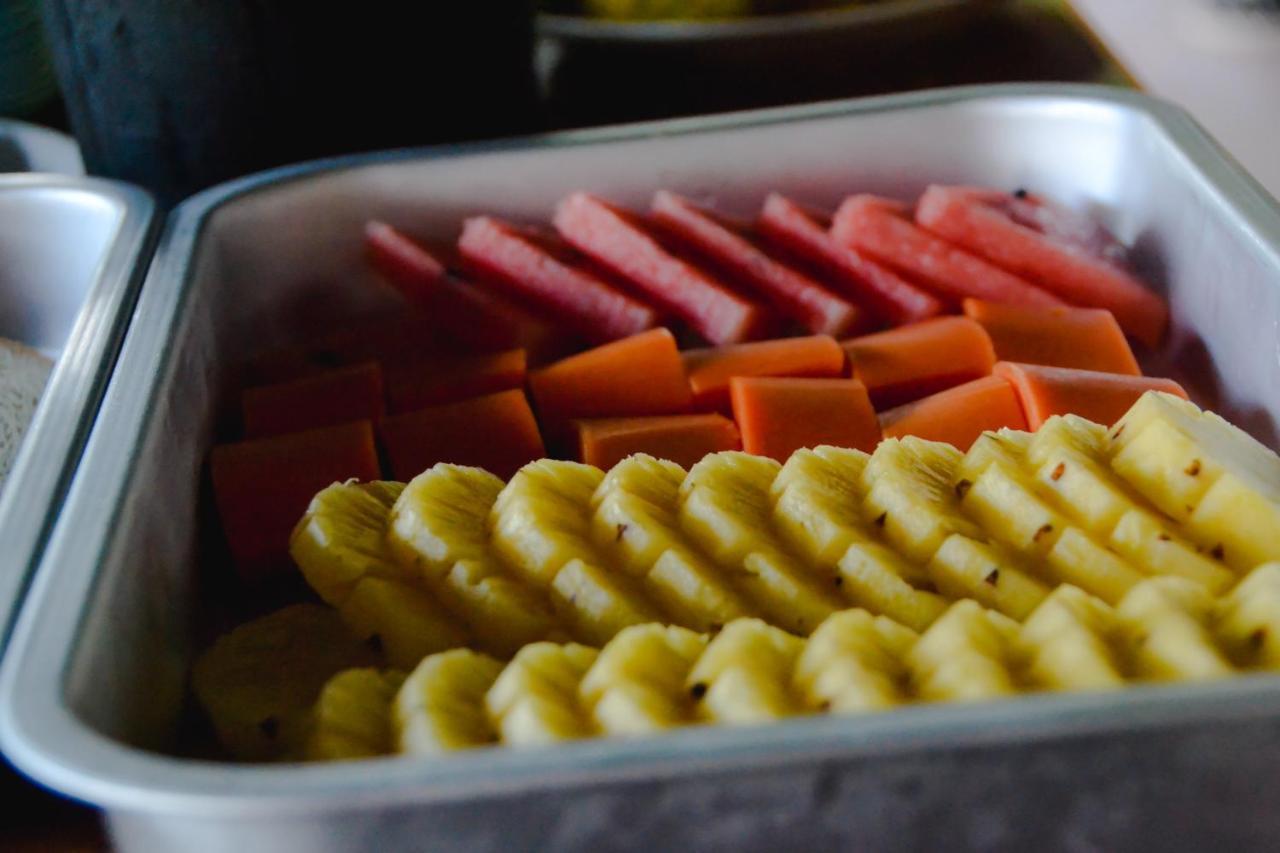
726	508
966	568
535	699
816	509
442	517
965	656
402	620
1216	479
342	538
1067	642
1004	501
635	520
1247	620
910	496
853	664
541	527
352	716
440	708
1165	624
745	674
1069	457
636	685
503	613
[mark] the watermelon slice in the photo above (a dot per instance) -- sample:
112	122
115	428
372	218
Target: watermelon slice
728	250
478	320
802	235
883	228
1061	251
541	269
615	239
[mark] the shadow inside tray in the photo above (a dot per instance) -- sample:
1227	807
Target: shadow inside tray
610	82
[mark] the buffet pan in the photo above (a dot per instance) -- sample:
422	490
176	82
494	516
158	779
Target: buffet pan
91	695
71	252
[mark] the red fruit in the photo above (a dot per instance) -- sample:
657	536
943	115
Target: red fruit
540	269
616	240
1101	397
802	234
883	229
729	251
1061	251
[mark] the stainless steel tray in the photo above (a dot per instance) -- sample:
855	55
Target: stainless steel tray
93	689
71	257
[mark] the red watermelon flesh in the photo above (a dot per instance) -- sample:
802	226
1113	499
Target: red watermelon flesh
727	249
1059	250
883	228
539	269
475	318
617	240
801	235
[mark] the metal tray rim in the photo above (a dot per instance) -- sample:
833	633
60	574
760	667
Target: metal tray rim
44	739
62	421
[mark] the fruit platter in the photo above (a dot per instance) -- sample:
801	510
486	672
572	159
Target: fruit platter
608	466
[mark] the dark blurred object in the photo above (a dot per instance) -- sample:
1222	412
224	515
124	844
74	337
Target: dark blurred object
600	72
176	96
27	84
38	820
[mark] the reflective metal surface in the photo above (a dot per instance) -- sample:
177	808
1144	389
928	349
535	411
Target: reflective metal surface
92	693
70	251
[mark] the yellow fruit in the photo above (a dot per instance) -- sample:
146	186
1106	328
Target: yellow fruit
1165	628
744	676
725	505
352	716
441	517
967	568
1066	642
965	656
911	498
874	577
596	604
503	614
816	502
342	538
1077	559
541	520
1205	472
402	620
1151	544
258	683
636	684
440	707
535	699
693	592
853	663
1247	620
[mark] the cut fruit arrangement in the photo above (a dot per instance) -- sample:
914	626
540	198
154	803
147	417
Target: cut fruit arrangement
570	602
803	512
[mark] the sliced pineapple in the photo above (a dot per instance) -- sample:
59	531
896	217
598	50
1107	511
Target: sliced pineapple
853	663
342	538
910	496
352	716
595	604
258	682
1201	470
1067	642
1006	447
503	613
441	517
873	576
816	502
541	520
402	620
1071	458
1247	620
440	707
636	684
1165	624
784	590
535	699
965	656
966	568
648	478
694	592
745	675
